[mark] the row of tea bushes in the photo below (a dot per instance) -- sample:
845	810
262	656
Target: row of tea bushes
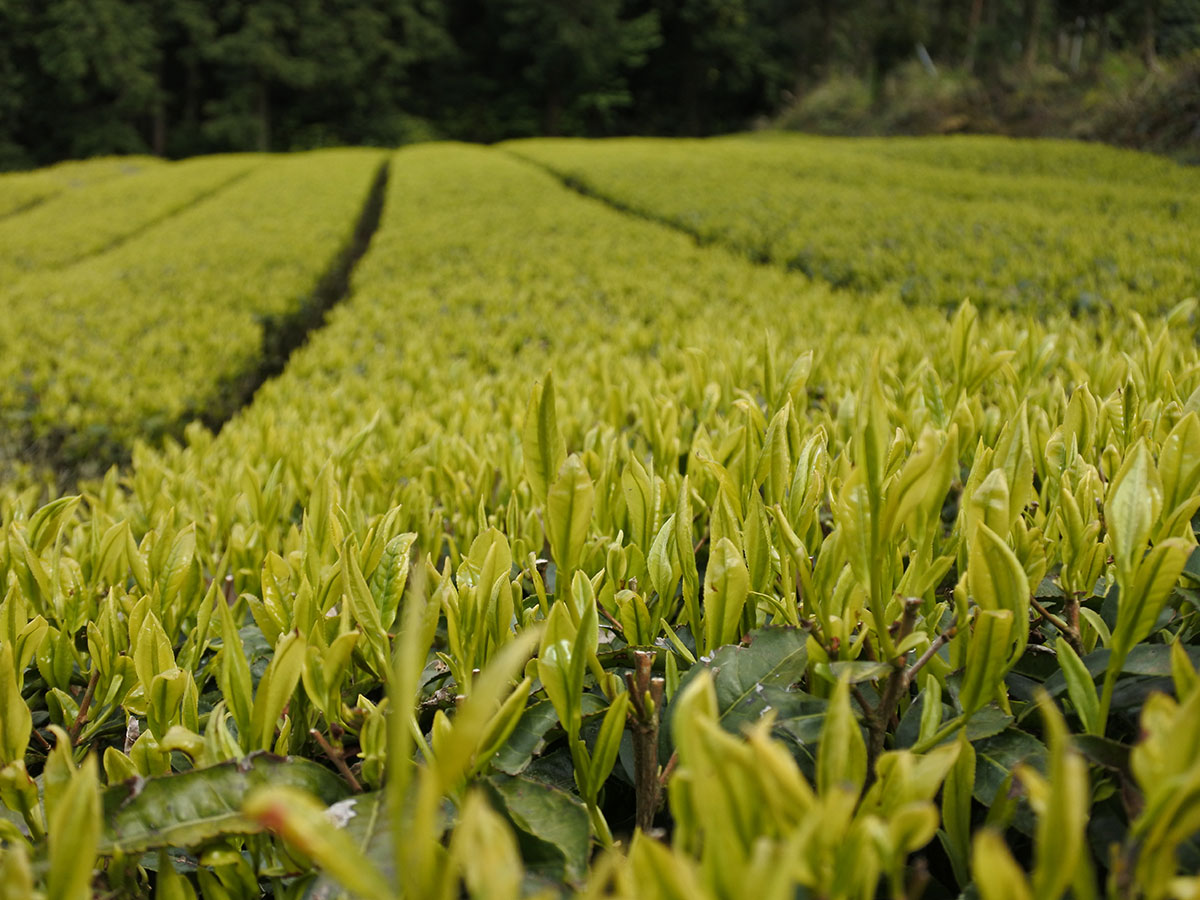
78	223
137	341
484	276
1037	225
1099	166
919	590
20	191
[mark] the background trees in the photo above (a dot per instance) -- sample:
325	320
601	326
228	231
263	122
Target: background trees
176	77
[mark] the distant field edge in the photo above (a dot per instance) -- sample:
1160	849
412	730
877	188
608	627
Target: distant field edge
195	200
282	335
584	188
1008	207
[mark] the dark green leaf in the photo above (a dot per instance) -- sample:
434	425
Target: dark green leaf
535	722
997	755
189	808
751	680
1143	659
1192	567
1103	752
555	819
987	722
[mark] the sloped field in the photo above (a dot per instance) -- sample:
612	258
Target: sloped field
1042	227
22	191
163	328
570	556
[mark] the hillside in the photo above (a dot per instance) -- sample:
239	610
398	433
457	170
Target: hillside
766	516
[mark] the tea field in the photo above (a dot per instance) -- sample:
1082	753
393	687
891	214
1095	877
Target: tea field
767	517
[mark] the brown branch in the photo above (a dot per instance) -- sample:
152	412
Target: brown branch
668	769
930	652
77	726
861	698
337	758
897	683
611	621
646	696
1071	634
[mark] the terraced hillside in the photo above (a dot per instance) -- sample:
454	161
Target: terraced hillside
22	191
167	326
1044	226
569	554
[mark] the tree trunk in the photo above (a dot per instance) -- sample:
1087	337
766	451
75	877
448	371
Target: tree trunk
1150	35
1033	25
943	29
158	139
191	95
552	115
1103	38
827	20
689	95
1076	51
973	23
263	115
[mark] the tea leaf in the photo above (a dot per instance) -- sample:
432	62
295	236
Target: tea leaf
568	516
726	586
191	808
543	447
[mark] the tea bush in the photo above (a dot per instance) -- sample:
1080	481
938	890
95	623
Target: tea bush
75	224
925	219
165	327
20	191
572	558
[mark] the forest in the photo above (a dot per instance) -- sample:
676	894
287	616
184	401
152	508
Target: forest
177	78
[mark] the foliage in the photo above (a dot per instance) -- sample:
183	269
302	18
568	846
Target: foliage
912	595
74	224
929	220
204	288
182	77
23	191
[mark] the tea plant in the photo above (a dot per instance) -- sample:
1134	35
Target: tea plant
78	223
1041	225
21	191
166	327
572	558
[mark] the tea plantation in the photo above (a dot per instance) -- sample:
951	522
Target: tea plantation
761	516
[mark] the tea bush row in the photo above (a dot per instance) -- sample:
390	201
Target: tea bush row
564	526
1042	226
20	191
74	224
165	327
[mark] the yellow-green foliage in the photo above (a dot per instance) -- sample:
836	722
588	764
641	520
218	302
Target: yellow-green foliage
860	543
75	224
1042	225
131	341
22	190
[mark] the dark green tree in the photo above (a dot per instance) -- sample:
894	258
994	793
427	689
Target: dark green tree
14	60
87	77
256	56
575	57
721	62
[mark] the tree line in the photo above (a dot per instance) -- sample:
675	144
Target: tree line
179	77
